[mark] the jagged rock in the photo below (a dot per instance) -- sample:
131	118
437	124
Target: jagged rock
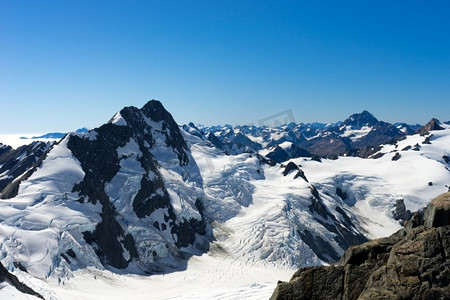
290	167
427	140
396	156
400	213
409	147
413	263
446	158
12	188
326	145
316	158
301	174
14	281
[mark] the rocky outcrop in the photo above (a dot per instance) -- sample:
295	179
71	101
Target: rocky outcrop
14	281
280	155
434	124
293	167
413	263
400	213
14	162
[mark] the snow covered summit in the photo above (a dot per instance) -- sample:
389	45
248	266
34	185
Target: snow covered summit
126	195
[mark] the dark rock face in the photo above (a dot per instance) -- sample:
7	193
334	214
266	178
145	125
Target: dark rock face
12	279
446	159
290	167
299	152
278	155
341	193
434	124
155	111
14	162
413	263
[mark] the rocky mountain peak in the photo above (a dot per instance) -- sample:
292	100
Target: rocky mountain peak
156	112
360	120
136	143
154	125
433	124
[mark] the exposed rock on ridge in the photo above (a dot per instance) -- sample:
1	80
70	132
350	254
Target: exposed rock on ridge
14	162
413	263
14	281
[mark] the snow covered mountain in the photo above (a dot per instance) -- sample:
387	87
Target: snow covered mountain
127	195
142	196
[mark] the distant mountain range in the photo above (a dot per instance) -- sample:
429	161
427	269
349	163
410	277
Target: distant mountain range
54	135
359	131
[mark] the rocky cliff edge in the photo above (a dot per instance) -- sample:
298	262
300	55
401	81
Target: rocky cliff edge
413	263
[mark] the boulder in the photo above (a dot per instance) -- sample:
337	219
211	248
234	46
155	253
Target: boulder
438	211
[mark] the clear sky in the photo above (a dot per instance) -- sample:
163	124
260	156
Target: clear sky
68	64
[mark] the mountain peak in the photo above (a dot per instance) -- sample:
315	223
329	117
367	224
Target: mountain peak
360	120
156	111
433	124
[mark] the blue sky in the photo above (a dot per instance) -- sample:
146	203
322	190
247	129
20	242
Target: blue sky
68	64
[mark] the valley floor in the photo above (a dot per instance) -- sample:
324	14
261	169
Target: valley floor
213	275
